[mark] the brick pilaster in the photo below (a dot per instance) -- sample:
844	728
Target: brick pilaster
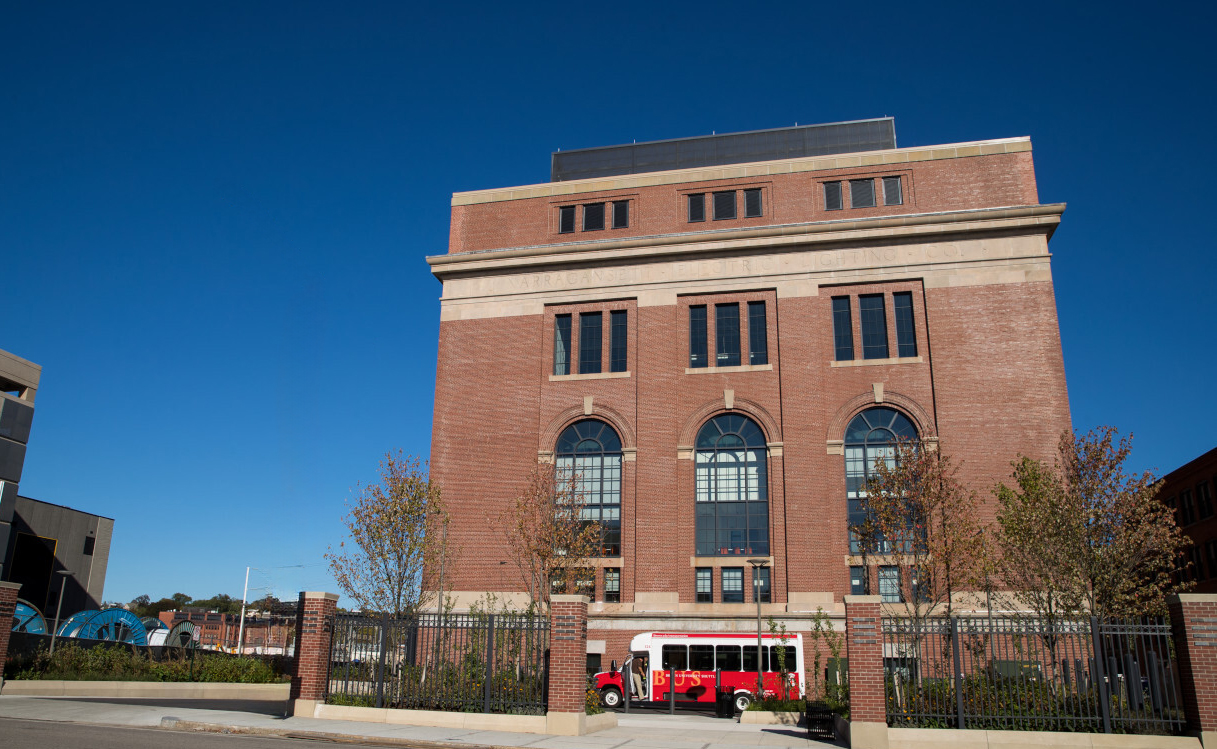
314	627
8	604
1194	624
867	699
567	654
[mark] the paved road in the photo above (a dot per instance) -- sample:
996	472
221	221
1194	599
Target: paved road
37	734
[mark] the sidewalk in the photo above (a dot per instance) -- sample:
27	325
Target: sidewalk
634	731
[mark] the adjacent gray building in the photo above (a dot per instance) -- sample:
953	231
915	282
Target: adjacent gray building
39	539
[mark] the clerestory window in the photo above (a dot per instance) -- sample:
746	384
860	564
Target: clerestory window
589	451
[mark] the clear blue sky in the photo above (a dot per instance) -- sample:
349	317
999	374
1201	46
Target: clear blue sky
213	217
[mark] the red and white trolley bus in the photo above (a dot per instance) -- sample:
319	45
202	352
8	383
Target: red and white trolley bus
698	659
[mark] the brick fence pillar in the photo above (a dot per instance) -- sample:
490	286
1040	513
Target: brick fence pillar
867	698
8	605
314	627
567	714
1194	624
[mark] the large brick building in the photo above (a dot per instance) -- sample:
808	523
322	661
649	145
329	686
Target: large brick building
719	348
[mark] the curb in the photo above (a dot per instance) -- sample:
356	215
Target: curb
177	724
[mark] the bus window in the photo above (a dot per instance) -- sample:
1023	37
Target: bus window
675	656
792	659
701	657
727	657
750	659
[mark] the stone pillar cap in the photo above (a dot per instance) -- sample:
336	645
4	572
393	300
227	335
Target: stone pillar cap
863	599
319	594
10	586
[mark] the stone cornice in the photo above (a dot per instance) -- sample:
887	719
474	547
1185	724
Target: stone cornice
1033	218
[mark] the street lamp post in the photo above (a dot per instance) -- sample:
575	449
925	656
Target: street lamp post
63	583
757	566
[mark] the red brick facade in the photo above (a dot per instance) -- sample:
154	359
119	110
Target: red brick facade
567	650
968	242
1191	491
1194	621
314	628
864	643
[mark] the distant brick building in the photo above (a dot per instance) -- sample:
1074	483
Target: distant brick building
1188	491
720	348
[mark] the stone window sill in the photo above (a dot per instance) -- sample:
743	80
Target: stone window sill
723	370
593	376
873	362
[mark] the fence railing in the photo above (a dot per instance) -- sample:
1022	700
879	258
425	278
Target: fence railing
1023	673
493	663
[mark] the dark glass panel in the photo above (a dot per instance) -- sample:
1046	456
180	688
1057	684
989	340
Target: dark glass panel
621	214
593	217
862	193
728	658
697	337
724	205
701	657
562	345
697	207
874	326
726	335
842	329
906	338
619	333
832	196
758	343
590	342
566	219
752	203
892	194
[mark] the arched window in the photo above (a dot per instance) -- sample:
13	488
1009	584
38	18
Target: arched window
870	436
732	487
590	450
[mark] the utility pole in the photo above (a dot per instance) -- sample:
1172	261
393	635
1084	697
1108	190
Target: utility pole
757	566
63	583
241	629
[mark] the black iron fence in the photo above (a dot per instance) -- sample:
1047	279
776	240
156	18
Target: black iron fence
1023	673
491	663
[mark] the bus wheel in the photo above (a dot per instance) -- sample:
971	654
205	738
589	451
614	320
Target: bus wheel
610	697
742	701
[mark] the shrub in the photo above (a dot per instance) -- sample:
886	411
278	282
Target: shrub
71	662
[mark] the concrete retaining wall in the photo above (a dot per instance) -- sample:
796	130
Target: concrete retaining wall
147	690
561	724
949	738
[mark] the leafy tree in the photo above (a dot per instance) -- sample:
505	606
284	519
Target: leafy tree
396	534
221	602
546	534
1084	535
139	605
925	523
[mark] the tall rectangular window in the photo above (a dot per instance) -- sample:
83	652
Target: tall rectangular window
566	219
590	342
697	337
760	585
752	203
733	584
842	329
1204	500
906	336
562	345
889	584
758	343
832	196
724	205
618	334
874	326
705	585
726	334
892	194
697	207
612	585
857	580
1210	550
1187	513
861	193
593	217
621	214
